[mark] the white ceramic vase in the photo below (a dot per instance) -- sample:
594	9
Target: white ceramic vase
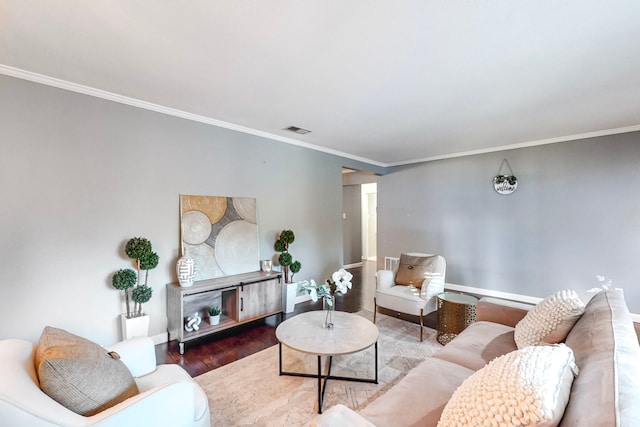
185	270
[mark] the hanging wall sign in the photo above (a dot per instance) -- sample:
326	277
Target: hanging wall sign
505	183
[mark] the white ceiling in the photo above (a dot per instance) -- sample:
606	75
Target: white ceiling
387	82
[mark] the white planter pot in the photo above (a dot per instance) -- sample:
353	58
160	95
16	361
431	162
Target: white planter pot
134	327
214	320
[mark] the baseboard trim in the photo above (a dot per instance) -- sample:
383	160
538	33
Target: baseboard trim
159	339
354	265
507	295
492	293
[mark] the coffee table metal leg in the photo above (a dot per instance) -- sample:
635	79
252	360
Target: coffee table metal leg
326	377
320	396
376	347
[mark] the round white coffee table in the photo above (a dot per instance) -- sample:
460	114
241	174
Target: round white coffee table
350	334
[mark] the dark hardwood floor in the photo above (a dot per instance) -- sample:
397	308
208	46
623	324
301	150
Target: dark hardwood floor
219	349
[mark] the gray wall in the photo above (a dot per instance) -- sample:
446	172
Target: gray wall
575	215
352	224
81	175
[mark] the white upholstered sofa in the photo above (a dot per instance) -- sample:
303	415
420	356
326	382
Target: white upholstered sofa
167	396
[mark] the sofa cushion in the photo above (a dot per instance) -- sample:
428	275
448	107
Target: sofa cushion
550	320
478	344
80	374
405	299
606	349
414	269
418	399
525	387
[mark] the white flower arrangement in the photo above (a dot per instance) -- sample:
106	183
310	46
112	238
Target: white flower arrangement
339	284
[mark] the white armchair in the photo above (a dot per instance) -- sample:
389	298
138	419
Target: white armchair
413	287
168	395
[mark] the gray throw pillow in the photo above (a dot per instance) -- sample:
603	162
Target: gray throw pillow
79	374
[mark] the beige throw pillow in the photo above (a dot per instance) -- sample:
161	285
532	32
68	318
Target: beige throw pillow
413	270
528	387
79	374
550	321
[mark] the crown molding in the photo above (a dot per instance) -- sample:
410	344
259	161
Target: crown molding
98	93
516	146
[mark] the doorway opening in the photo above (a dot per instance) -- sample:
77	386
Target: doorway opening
359	215
369	221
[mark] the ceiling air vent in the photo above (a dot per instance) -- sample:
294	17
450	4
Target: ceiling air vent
298	130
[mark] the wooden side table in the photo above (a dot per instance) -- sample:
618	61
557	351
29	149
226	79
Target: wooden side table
455	312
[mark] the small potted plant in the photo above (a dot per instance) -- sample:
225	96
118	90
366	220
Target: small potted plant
214	314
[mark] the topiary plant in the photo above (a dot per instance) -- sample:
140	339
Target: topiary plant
124	280
285	259
141	251
140	295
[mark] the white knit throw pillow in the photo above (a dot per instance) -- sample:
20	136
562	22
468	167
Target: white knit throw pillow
550	321
528	387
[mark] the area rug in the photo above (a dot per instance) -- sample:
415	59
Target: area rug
249	392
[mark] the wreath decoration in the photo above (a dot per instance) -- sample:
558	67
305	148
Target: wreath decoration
505	183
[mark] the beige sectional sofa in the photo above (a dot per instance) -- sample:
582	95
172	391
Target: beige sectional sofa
606	392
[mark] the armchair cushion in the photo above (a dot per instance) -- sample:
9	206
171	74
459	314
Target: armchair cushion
80	374
405	299
414	269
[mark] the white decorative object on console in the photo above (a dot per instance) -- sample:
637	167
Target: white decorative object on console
193	323
185	270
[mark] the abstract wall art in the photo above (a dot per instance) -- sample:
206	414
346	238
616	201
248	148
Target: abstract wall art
220	234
